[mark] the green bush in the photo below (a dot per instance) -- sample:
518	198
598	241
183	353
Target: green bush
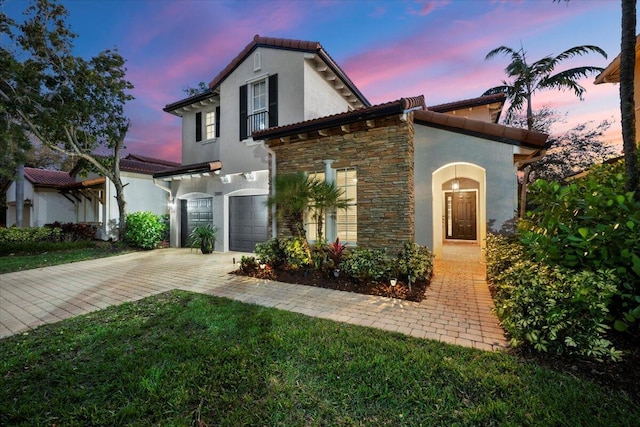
502	252
555	309
248	264
414	261
72	231
295	250
590	224
144	230
272	252
30	235
366	264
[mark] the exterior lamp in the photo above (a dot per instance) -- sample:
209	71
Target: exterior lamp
455	184
393	282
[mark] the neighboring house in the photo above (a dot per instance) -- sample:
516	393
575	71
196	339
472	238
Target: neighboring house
51	196
611	74
412	173
224	176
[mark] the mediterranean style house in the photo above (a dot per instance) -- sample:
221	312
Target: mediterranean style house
429	175
56	196
432	175
224	177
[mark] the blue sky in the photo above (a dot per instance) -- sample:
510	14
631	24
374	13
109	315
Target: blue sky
390	49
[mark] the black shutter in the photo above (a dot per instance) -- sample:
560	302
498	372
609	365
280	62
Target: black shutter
273	100
198	127
218	121
243	112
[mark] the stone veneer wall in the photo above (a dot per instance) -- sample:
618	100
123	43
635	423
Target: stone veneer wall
383	156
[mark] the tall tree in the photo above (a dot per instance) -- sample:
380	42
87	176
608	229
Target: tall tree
72	105
528	78
627	104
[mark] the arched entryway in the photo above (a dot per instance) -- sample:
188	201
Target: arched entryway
459	205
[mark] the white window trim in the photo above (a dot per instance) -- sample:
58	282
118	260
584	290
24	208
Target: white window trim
249	141
206	140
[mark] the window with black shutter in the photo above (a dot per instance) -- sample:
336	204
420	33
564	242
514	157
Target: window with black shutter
218	122
273	100
198	127
243	112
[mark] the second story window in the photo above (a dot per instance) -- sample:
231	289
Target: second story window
259	111
210	124
258	105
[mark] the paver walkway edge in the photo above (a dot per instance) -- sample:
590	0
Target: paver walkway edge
456	310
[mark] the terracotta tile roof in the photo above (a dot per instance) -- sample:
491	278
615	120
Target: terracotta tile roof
195	168
468	103
47	178
422	116
482	129
145	165
273	43
366	113
87	183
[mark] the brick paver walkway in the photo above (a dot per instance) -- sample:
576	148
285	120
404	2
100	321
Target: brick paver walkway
457	308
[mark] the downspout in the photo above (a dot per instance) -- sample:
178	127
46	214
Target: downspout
274	223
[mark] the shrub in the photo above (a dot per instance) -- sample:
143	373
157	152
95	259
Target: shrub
248	264
72	231
555	309
29	235
593	224
366	264
336	252
414	261
295	250
272	252
502	252
144	230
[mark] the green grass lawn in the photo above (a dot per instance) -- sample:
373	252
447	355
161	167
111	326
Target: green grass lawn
13	263
184	359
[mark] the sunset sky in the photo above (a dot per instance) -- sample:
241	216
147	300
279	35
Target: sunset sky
390	49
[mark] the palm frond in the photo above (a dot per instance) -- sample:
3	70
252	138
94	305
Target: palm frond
579	51
504	50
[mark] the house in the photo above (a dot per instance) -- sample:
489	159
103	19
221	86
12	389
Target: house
430	175
224	176
51	196
611	74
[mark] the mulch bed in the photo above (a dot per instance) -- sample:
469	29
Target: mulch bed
323	280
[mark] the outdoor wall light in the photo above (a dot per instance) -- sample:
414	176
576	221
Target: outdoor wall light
250	176
455	184
225	179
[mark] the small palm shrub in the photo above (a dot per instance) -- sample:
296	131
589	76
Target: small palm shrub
144	230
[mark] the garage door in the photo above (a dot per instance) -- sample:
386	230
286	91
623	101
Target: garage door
194	212
248	220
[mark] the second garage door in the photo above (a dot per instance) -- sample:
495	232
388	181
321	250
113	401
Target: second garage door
248	221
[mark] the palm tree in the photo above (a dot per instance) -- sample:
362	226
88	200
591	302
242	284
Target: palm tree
627	107
325	197
527	78
291	198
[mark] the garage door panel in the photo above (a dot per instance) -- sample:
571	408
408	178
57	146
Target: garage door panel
248	222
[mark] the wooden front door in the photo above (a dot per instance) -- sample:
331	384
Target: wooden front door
461	215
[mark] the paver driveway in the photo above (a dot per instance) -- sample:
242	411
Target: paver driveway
457	308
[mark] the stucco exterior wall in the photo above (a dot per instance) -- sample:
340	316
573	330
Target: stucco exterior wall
489	163
383	159
213	187
320	97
